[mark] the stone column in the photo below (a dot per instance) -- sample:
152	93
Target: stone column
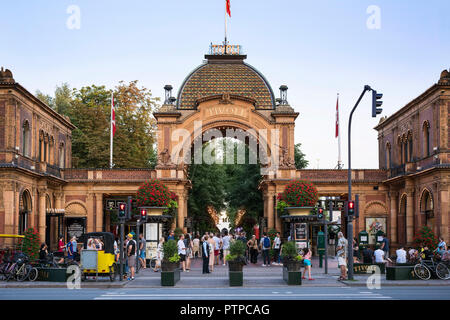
59	200
444	196
393	214
42	213
409	212
99	212
277	218
181	208
270	217
90	212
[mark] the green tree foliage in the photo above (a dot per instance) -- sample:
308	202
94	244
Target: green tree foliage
234	186
89	109
45	98
299	157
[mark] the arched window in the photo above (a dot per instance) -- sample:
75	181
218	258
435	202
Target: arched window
62	156
426	139
41	146
26	138
45	148
410	149
388	156
400	150
24	211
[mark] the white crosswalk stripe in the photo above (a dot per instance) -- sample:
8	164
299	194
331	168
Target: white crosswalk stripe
338	296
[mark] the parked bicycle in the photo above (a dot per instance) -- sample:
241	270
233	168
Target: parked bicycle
19	268
426	268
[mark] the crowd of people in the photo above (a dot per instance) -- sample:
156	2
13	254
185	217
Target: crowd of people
69	250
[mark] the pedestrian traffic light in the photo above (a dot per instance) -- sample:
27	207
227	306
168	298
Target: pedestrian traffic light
320	214
376	102
122	209
351	208
143	215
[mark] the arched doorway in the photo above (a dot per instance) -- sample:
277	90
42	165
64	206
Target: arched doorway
401	221
427	209
225	97
25	207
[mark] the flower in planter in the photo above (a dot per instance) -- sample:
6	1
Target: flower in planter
153	193
298	193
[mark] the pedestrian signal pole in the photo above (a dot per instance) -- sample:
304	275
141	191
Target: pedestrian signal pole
122	212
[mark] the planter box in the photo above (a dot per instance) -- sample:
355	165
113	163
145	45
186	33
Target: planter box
53	274
292	277
361	268
299	211
170	278
401	273
154	211
236	278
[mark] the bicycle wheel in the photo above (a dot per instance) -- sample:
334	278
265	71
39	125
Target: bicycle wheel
153	263
21	273
442	271
422	272
11	272
33	274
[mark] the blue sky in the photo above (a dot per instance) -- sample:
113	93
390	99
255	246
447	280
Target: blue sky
316	48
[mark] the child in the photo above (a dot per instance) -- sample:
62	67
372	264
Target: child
307	262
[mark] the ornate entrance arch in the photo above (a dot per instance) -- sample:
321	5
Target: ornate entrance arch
225	97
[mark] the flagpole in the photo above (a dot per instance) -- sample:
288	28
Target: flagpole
225	43
111	133
339	136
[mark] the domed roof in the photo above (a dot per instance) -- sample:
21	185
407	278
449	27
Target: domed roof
225	74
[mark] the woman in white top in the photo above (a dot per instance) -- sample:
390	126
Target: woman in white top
159	254
196	247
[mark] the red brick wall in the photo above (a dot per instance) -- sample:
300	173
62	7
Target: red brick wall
77	197
2	124
2	221
378	197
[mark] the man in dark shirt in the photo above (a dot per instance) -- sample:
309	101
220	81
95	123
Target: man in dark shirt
367	255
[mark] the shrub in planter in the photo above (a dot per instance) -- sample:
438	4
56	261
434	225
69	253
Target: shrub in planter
153	193
290	257
236	258
171	259
298	193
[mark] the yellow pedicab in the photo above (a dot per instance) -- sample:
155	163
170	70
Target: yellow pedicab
97	257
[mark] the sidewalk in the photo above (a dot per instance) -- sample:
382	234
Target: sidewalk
255	276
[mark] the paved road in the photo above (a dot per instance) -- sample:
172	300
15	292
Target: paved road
192	294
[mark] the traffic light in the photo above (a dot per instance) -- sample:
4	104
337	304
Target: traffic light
376	103
122	209
351	208
143	215
320	214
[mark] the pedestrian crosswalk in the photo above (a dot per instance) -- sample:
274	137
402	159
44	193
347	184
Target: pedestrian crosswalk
239	295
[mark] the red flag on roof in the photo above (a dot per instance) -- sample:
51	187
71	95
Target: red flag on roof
228	7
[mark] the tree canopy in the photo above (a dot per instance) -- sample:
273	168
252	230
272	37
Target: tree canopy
89	109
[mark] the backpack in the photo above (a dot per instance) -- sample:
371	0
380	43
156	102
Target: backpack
266	242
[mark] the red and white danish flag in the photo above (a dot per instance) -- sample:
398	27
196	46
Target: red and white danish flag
229	7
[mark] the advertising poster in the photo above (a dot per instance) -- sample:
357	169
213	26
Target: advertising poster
373	225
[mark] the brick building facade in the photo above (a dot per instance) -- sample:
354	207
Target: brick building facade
38	187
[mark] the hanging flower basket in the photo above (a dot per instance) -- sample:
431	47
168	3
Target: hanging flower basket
298	198
153	193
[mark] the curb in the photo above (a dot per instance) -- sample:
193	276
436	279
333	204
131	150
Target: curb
399	284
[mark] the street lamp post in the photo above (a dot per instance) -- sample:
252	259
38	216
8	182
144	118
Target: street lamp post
349	217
